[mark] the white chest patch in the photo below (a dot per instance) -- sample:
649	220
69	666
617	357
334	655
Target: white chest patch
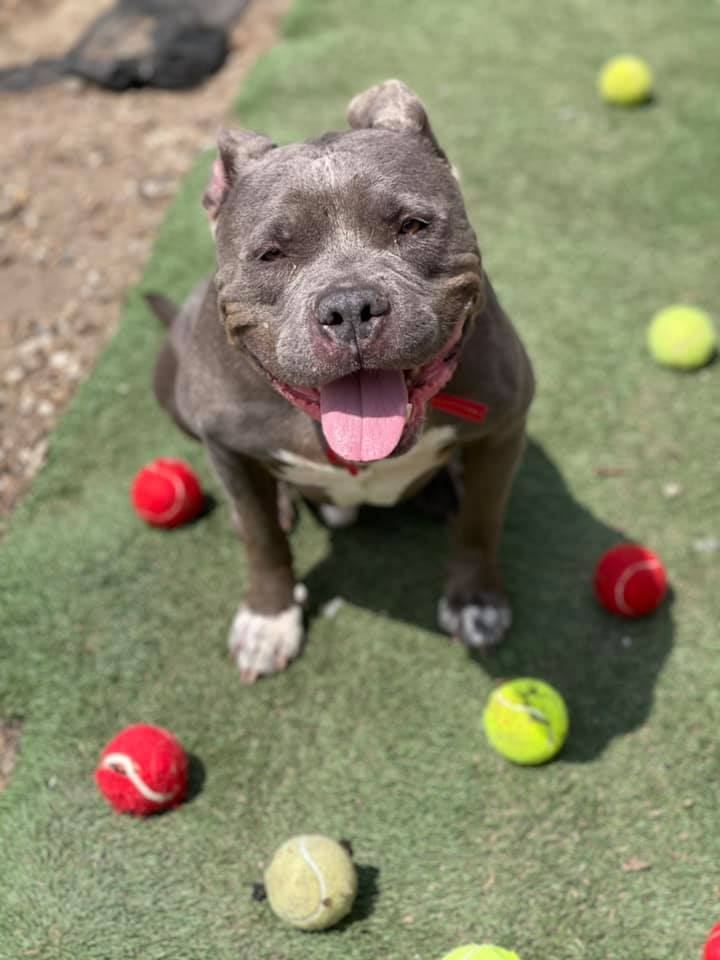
381	483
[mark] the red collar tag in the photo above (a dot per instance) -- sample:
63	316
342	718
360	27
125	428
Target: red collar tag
460	407
337	461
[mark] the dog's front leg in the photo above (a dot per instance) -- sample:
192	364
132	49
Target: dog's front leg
266	633
474	607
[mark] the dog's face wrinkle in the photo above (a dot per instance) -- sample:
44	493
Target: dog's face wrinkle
311	217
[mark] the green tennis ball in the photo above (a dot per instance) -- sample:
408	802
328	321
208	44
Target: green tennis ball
311	882
482	951
626	81
526	721
681	337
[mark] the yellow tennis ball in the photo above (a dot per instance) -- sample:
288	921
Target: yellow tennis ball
311	882
480	951
526	721
625	80
681	337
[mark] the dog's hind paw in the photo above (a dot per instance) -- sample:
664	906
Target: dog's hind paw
263	644
481	625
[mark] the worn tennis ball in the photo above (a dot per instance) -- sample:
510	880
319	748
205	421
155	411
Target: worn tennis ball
682	337
711	951
143	770
526	720
625	80
167	493
480	951
311	882
630	580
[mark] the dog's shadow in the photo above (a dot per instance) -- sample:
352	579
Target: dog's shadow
393	561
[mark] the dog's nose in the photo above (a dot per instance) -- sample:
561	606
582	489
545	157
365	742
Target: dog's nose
351	314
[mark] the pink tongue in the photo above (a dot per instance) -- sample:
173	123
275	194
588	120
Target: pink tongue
363	414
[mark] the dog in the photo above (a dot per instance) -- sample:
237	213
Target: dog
349	346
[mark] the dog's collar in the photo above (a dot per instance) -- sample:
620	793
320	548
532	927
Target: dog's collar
459	407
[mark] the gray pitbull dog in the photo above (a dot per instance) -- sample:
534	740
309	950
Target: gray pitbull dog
350	345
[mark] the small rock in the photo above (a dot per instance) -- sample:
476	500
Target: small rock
39	254
73	85
60	360
13	375
40	342
95	159
155	188
30	220
33	458
45	408
671	490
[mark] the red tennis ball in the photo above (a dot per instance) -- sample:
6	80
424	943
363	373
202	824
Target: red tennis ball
143	770
712	944
630	580
166	493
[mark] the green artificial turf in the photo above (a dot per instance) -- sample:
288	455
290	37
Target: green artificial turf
590	218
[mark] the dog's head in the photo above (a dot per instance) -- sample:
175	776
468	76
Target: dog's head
347	268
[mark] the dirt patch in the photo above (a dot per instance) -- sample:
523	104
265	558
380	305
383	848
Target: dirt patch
85	177
10	733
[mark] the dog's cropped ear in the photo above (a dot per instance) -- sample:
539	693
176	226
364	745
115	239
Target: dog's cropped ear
391	106
236	149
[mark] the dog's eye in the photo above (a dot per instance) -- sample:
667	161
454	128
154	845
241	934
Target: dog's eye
272	253
412	226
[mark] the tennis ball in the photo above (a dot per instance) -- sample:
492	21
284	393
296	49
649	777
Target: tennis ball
482	951
526	721
311	882
143	770
630	580
712	944
625	80
682	337
166	493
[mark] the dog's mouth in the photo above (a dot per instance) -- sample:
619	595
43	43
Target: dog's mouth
370	414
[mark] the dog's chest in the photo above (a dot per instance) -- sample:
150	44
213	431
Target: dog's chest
381	483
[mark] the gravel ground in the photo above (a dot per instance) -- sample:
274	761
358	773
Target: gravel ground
85	177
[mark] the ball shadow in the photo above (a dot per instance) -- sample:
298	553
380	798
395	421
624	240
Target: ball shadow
197	775
606	667
367	894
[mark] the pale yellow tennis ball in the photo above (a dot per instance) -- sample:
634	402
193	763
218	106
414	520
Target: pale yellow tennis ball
480	951
311	882
681	337
526	721
626	81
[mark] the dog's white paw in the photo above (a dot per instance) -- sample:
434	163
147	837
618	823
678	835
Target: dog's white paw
263	644
480	625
